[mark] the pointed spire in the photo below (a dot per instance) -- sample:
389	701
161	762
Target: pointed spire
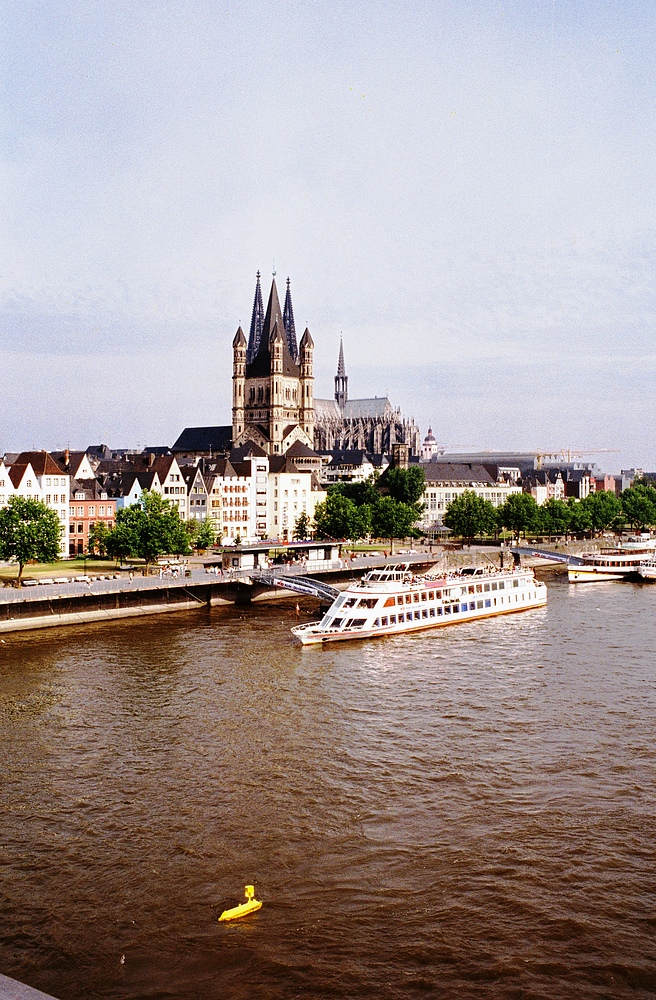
290	328
257	323
341	379
341	367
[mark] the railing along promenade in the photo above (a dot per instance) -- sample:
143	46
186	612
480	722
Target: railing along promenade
76	602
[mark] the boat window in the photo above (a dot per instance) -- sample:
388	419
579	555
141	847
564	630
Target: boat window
472	605
424	595
401	618
356	622
479	604
502	584
368	602
438	594
479	588
432	612
399	599
408	598
337	622
494	586
417	614
377	623
350	603
415	598
383	621
392	619
472	590
431	595
515	583
486	587
389	603
439	612
424	613
488	603
447	609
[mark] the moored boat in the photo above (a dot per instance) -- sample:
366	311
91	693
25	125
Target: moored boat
620	562
647	569
391	600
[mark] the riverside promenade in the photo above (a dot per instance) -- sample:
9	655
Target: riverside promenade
94	600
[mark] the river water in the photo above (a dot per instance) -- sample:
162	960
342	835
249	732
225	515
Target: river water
467	812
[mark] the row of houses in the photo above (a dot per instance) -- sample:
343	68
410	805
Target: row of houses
246	494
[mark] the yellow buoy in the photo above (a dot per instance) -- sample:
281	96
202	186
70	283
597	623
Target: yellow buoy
243	909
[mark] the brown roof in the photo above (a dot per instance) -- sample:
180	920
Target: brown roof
41	461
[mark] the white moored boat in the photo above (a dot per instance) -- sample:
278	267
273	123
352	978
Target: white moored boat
391	600
618	563
647	569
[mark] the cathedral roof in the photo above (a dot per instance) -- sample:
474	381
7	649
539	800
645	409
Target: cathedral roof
325	409
380	406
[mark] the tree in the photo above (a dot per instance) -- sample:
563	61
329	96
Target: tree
604	508
149	528
339	517
580	517
406	485
29	531
639	505
554	517
469	515
392	519
98	539
302	527
360	493
206	535
519	513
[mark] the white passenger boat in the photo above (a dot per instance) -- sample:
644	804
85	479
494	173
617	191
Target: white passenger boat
647	569
391	600
618	563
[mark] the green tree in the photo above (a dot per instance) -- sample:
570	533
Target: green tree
29	531
580	517
97	543
302	527
339	517
206	535
604	507
365	492
639	505
392	519
519	513
554	517
405	485
149	528
469	515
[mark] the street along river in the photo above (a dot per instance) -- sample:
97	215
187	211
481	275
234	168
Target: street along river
464	812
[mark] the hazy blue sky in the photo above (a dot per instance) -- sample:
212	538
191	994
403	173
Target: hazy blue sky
465	189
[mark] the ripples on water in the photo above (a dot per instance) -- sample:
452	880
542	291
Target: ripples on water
466	812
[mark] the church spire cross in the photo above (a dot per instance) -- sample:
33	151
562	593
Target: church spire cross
290	327
257	323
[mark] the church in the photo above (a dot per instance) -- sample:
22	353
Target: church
273	404
272	379
371	425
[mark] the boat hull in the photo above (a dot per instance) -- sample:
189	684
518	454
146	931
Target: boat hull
316	638
599	574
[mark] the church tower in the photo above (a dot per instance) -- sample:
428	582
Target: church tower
238	382
273	394
341	379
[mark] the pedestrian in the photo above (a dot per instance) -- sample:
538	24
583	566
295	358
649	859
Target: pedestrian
131	576
298	610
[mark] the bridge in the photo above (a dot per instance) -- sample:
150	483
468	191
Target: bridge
299	584
561	557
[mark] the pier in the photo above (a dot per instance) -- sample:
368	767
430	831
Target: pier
79	602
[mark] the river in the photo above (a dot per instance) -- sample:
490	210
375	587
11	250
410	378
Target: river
467	812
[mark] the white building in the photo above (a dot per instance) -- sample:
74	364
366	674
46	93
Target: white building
446	481
35	475
291	493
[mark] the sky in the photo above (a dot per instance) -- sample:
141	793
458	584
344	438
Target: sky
463	190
